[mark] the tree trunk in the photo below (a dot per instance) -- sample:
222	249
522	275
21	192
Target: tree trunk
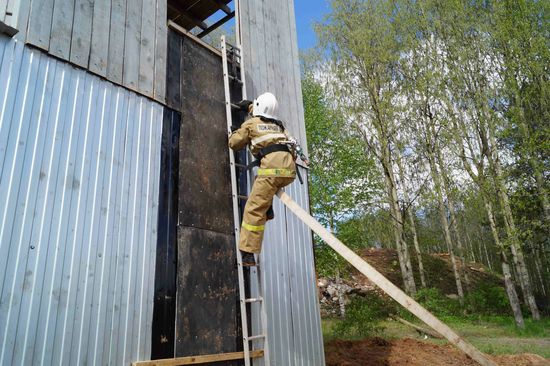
341	300
444	222
417	249
512	295
539	273
511	231
397	221
539	179
412	223
454	223
508	283
470	248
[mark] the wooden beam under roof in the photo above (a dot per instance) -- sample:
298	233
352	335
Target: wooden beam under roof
188	13
219	23
226	9
184	13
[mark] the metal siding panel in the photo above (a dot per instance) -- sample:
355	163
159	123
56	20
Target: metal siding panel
295	336
79	200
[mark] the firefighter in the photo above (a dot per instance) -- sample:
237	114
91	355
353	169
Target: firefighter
275	151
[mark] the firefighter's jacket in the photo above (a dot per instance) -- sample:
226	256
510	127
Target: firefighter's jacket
259	133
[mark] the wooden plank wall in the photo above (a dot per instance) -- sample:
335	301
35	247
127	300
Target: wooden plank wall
123	41
9	11
268	35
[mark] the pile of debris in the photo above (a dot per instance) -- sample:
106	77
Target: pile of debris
335	293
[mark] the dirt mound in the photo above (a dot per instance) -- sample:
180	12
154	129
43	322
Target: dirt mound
438	269
410	352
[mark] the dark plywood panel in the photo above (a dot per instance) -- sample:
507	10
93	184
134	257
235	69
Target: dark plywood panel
173	78
205	188
164	309
207	294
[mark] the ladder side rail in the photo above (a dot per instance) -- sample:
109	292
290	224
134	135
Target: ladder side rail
244	321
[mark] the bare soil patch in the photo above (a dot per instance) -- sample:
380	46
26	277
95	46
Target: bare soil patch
410	352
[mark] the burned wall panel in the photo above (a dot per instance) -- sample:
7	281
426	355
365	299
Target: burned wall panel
207	292
164	311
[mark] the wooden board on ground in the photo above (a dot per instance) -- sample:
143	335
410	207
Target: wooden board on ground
195	360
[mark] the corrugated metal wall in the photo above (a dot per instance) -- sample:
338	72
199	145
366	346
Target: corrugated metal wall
268	34
79	176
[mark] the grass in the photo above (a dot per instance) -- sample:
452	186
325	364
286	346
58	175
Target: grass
491	334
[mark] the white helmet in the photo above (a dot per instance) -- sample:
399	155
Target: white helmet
266	106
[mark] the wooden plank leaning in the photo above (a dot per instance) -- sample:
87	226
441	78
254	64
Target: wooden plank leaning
195	360
378	279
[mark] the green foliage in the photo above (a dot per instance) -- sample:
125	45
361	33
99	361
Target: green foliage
363	316
465	80
488	300
341	180
328	263
433	300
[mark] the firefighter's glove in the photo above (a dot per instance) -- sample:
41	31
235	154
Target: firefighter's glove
244	104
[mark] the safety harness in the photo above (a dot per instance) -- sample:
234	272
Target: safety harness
266	151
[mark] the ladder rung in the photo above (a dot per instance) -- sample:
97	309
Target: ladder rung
234	106
254	299
250	264
253	338
235	79
241	166
241	197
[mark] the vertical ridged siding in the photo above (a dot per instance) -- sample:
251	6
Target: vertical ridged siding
268	32
79	176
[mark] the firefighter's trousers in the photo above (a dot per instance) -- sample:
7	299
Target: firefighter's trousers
254	218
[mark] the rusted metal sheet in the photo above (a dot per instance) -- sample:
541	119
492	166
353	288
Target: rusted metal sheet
79	184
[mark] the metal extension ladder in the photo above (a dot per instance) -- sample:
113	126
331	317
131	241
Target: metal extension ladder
241	178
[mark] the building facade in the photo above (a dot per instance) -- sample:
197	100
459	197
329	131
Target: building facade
115	207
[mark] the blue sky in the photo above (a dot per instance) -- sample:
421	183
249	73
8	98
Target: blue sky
307	12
